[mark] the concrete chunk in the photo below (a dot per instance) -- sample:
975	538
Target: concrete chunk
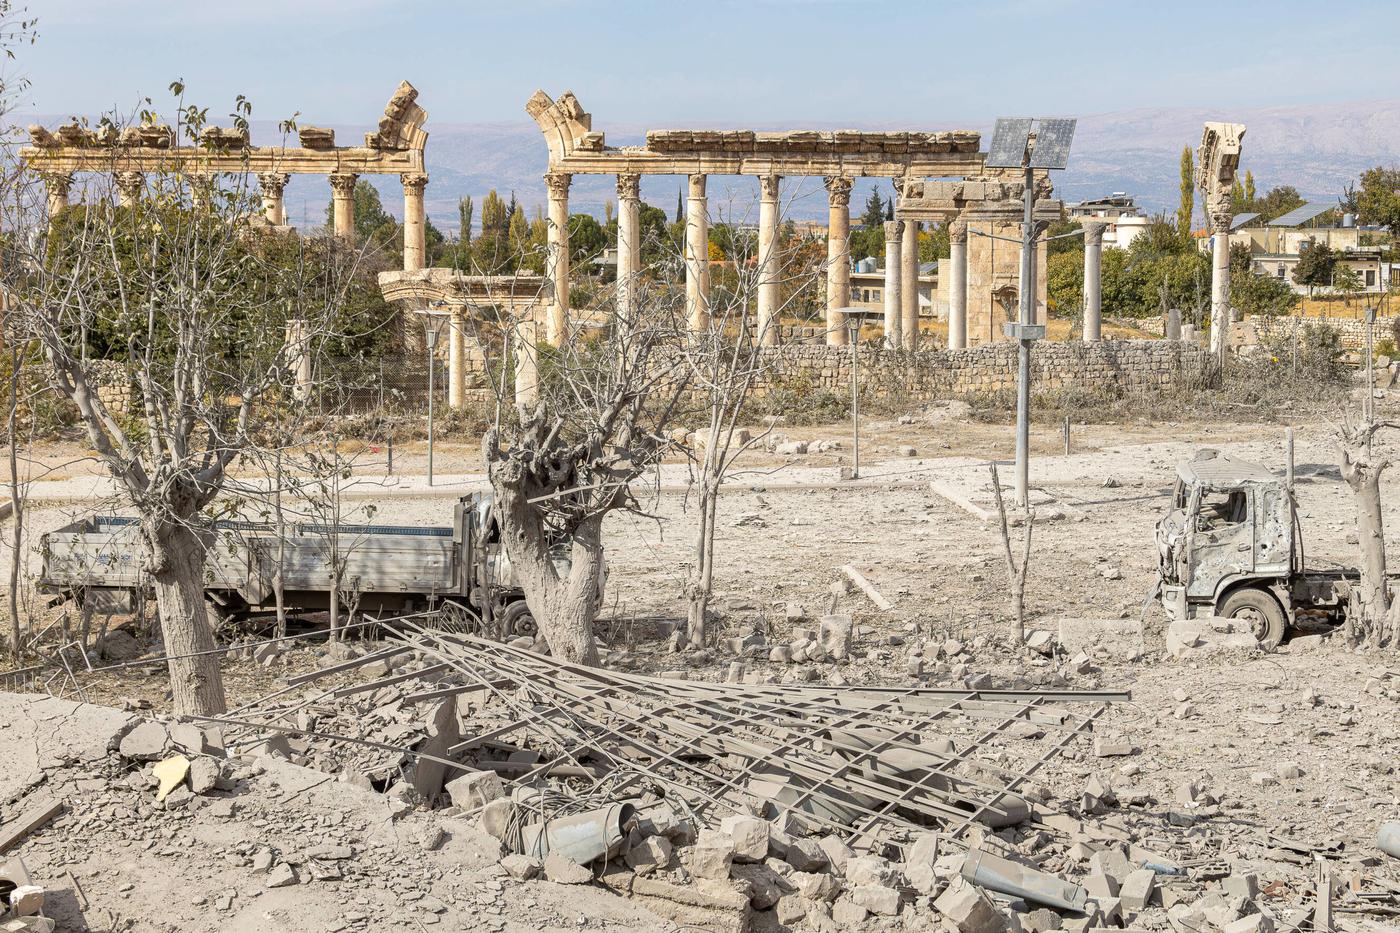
1137	889
563	870
475	789
966	909
750	837
877	899
147	742
712	854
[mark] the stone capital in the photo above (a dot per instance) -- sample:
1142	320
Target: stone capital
768	186
343	183
558	184
273	183
629	186
697	186
894	229
1093	232
1221	221
838	190
957	231
130	184
414	182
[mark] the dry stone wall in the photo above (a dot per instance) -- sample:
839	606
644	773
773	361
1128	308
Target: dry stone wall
1121	366
1351	330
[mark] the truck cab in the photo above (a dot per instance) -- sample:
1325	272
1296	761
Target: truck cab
1229	545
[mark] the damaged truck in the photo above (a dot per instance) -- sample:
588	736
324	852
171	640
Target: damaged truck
390	569
1231	546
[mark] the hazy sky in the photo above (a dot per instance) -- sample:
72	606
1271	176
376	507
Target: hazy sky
661	62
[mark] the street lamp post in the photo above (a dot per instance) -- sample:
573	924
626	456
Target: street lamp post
1028	145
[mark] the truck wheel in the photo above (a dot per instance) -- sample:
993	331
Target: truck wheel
1260	610
515	620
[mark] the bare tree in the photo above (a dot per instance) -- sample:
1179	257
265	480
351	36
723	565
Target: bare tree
599	425
1372	614
188	304
1015	575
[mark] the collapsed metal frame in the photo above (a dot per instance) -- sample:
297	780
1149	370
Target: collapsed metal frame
838	748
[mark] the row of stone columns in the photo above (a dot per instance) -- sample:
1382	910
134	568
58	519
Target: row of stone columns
272	186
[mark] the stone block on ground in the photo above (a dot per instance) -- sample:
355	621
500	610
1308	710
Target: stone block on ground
836	635
966	909
563	870
475	789
712	854
147	742
1116	636
750	835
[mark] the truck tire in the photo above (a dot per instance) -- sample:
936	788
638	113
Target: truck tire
515	620
1262	612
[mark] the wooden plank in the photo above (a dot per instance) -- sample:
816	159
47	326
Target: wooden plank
15	831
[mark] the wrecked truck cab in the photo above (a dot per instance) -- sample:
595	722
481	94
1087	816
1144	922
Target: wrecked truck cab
1227	545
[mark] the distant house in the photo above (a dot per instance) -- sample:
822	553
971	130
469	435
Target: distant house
1124	220
868	286
1276	246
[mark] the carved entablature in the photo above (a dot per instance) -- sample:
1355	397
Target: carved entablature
1217	161
401	127
941	200
395	148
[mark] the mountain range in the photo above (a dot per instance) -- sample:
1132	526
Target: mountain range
1317	148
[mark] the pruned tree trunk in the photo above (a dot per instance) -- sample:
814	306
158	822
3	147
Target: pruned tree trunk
176	556
564	607
701	585
1369	608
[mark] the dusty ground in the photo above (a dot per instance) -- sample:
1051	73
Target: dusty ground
789	523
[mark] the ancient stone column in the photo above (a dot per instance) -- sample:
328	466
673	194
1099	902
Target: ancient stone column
769	275
557	256
272	185
129	185
1220	284
894	321
415	240
201	190
629	243
1093	281
343	204
957	285
838	258
298	350
456	358
697	255
527	377
57	186
909	284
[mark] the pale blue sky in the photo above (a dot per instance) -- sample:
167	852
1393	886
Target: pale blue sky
662	62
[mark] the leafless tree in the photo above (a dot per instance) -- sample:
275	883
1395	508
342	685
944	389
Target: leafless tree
605	399
1373	615
1015	574
189	304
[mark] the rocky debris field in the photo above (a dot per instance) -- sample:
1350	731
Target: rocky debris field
1237	791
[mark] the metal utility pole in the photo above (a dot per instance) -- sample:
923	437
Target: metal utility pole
1028	145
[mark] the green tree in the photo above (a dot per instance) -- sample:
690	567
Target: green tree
1316	264
491	251
1378	201
1159	237
1065	244
1277	202
1249	193
465	210
1187	204
1254	294
586	238
1064	281
934	243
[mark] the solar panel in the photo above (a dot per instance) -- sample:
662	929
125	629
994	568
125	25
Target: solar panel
1301	215
1242	219
1009	138
1052	139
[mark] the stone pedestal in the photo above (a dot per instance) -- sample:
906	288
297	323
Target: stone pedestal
298	350
909	285
838	258
629	244
273	185
769	275
343	205
697	255
415	248
557	256
1093	281
129	185
894	322
957	285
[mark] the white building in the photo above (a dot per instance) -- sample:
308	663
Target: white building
1124	219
